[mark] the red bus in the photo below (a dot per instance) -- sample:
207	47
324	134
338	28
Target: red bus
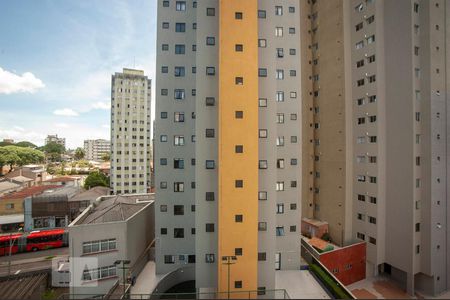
8	242
42	240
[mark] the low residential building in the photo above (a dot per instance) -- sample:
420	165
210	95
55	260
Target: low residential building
35	172
55	139
11	223
23	181
314	228
50	209
113	228
79	202
63	180
13	203
96	149
7	187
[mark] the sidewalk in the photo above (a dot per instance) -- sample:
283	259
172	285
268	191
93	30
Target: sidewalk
146	281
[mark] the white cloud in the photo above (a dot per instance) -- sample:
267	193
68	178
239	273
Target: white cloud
66	112
101	105
11	83
22	135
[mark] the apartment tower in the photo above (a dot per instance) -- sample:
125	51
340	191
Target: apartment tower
96	149
130	132
228	141
375	133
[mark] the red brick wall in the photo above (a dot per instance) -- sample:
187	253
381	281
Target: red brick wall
354	255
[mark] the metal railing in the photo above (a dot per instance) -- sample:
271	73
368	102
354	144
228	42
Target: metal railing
261	294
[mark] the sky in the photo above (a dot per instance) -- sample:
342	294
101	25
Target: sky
56	62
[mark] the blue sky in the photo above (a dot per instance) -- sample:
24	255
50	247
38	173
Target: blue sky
56	61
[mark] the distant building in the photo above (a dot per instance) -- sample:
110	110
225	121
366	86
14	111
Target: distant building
36	173
13	203
10	141
7	187
50	209
63	180
95	149
113	228
55	139
130	132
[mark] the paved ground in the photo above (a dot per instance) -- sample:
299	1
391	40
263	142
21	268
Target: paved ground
146	281
378	288
300	285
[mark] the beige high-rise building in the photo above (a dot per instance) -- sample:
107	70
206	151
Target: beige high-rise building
96	149
130	132
375	110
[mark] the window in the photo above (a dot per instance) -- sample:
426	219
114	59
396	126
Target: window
278	10
166	3
163	185
263	164
280	231
279	31
178	163
263	133
209	258
262	72
280	52
210	41
178	233
262	195
99	273
178	187
262	43
416	7
163	231
262	226
180	49
180	71
370	39
210	101
99	246
239	114
360	82
239	47
180	27
181	5
279	74
163	208
360	236
179	94
210	133
372	240
261	14
210	164
280	186
178	210
169	259
239	80
165	25
239	149
360	45
372	220
262	256
359	7
210	71
238	16
239	183
209	196
163	138
292	228
280	118
280	96
359	26
165	47
262	102
280	208
210	227
417	227
164	69
238	218
178	140
280	163
238	251
238	284
371	59
210	11
178	117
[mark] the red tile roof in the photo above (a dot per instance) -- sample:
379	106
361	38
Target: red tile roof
31	191
61	179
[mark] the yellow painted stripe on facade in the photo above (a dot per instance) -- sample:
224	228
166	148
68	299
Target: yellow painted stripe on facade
232	166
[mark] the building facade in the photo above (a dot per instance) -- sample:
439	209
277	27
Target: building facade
227	152
376	140
96	149
55	139
130	132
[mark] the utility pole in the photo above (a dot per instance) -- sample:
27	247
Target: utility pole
229	260
123	262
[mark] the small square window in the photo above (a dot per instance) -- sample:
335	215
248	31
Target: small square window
210	227
238	251
239	149
210	41
209	196
238	284
239	114
163	208
239	183
239	47
262	14
164	115
163	231
238	218
238	16
210	11
210	101
239	80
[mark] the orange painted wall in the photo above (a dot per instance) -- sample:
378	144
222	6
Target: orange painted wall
232	131
341	258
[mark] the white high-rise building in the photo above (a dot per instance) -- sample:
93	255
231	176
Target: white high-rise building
96	149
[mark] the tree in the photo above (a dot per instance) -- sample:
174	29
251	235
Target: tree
26	144
79	153
19	156
96	179
53	151
106	156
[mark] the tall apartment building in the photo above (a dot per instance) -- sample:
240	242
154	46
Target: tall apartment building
96	149
227	152
55	139
130	132
375	140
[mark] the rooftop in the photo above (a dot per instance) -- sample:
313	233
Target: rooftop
21	179
91	194
6	185
114	208
62	179
314	222
31	191
70	191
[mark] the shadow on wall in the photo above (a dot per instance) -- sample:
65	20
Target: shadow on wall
173	279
